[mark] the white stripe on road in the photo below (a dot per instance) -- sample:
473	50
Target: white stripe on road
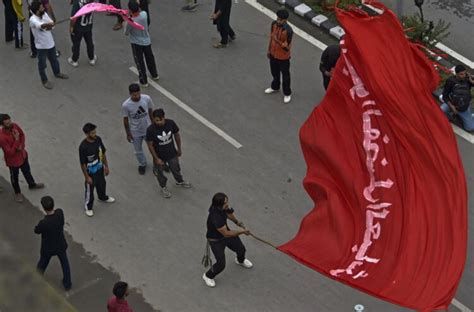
460	306
322	46
191	111
465	135
454	54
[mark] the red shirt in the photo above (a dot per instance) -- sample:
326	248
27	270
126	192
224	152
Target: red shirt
118	305
13	150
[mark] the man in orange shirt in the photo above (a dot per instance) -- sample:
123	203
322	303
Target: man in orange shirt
279	53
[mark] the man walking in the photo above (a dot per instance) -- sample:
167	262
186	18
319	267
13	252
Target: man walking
328	62
136	112
141	44
94	166
53	242
221	18
41	25
220	236
279	53
14	22
118	303
12	142
161	137
81	28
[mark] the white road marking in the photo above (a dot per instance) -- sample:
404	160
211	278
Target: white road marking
191	111
460	306
322	46
465	135
456	55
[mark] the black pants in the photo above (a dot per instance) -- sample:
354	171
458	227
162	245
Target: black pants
175	169
11	20
62	256
15	172
116	4
218	247
326	80
282	67
142	54
98	182
76	38
223	27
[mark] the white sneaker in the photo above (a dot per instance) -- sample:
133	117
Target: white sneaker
183	184
109	200
209	281
246	264
92	62
270	90
287	99
70	61
165	192
89	213
156	78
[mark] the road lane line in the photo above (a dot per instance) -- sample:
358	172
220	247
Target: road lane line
460	306
464	134
191	111
455	54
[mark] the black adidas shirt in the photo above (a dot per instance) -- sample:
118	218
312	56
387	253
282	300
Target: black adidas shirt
163	139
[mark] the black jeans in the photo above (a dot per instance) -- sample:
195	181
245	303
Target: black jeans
76	38
98	182
62	256
10	20
175	169
142	54
218	247
223	27
282	67
49	54
15	172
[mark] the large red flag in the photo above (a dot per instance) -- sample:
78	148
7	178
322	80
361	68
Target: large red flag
384	173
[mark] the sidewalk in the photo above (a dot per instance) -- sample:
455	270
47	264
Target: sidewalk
23	289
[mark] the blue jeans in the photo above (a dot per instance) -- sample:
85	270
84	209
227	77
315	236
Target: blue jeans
466	116
138	147
53	60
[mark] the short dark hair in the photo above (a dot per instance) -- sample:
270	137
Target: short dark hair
283	14
88	128
47	202
4	117
34	6
218	200
133	87
459	68
158	113
120	289
133	6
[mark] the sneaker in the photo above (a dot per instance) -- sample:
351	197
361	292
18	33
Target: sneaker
117	26
141	170
23	47
70	61
189	8
89	213
232	38
62	76
58	53
270	90
109	200
183	184
287	99
209	281
165	192
246	264
219	45
92	62
19	198
156	78
144	84
48	85
32	55
37	186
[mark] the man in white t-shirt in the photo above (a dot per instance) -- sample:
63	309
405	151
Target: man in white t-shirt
41	25
136	112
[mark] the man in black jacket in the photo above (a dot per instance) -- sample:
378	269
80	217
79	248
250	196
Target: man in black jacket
53	242
328	62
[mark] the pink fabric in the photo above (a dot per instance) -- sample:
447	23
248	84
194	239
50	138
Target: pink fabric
99	7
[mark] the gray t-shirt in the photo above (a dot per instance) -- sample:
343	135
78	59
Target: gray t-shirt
137	36
137	113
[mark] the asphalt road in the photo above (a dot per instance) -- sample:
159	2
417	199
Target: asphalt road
156	244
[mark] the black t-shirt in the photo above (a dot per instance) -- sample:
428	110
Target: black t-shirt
217	218
91	154
84	22
163	139
449	86
51	229
329	58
